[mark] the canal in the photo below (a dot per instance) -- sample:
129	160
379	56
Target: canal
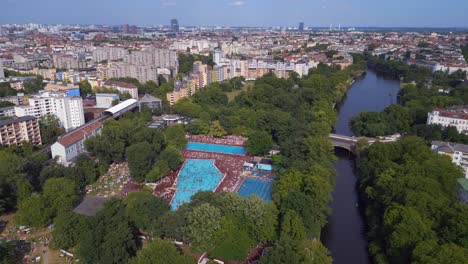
344	235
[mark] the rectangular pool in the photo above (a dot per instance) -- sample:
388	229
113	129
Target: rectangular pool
196	175
256	186
215	148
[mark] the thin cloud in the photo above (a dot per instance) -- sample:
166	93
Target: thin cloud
237	3
168	4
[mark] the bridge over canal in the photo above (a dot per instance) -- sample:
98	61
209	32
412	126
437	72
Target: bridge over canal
349	142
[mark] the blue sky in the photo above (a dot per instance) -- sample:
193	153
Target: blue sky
393	13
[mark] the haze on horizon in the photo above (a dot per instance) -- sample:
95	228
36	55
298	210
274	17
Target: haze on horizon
314	13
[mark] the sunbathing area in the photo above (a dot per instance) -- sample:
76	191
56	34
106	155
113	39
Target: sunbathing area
227	140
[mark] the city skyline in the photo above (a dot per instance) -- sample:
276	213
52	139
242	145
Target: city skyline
249	13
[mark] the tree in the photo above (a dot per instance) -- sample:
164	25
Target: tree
60	194
202	224
85	88
430	252
232	241
406	228
66	232
259	143
175	136
143	208
107	237
173	158
159	170
50	128
140	158
160	252
216	129
34	211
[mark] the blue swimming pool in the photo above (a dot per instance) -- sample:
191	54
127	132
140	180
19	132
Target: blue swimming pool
196	175
215	148
255	186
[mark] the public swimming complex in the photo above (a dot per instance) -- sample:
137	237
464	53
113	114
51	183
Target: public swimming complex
218	165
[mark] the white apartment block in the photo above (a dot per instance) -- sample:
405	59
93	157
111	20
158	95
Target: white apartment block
69	110
456	117
109	53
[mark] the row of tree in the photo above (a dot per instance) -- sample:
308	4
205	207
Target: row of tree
411	204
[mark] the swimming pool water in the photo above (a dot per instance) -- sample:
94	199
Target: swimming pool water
215	148
255	186
196	175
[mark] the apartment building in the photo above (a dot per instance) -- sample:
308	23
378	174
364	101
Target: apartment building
161	58
123	87
71	145
65	61
457	152
23	129
182	89
2	72
142	73
69	110
455	116
109	53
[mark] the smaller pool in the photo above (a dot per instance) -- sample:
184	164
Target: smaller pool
255	186
215	148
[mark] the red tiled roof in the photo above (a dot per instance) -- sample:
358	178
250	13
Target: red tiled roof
120	84
78	135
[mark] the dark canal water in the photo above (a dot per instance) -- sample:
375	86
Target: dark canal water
344	234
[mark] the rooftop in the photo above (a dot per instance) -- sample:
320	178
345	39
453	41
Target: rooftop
90	205
120	84
464	183
79	134
16	120
449	147
147	98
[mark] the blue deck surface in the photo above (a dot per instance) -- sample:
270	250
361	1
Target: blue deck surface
255	186
196	175
215	148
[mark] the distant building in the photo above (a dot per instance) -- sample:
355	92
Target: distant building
23	129
149	101
105	100
123	87
301	26
217	56
174	25
455	116
457	152
71	145
2	72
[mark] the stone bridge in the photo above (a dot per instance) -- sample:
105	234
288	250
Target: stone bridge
349	142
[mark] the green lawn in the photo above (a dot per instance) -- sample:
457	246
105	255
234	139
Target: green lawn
232	95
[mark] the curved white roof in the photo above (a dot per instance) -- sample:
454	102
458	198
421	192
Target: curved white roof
121	106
